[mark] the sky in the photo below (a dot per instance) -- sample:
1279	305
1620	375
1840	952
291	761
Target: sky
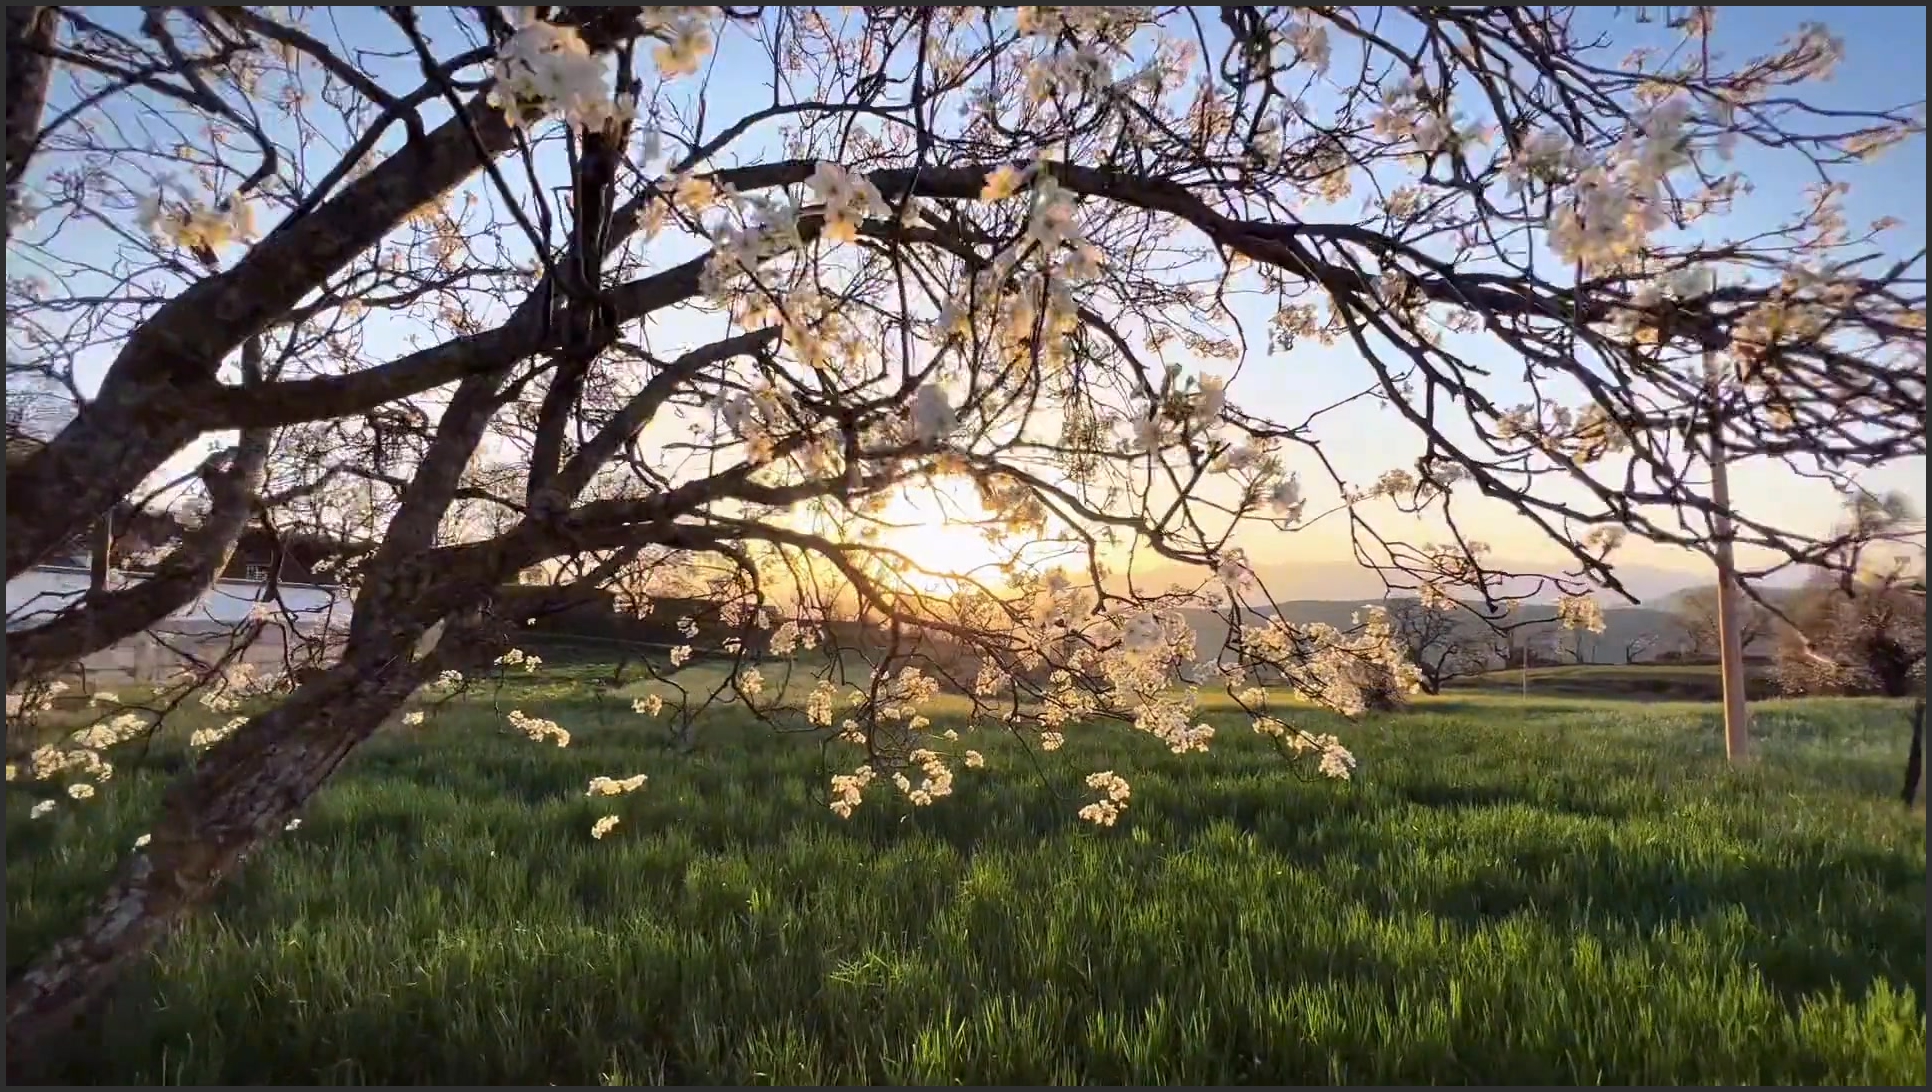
1884	65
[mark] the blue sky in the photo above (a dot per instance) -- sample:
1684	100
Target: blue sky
1884	66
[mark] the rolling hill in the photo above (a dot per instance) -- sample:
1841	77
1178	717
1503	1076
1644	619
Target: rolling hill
1624	627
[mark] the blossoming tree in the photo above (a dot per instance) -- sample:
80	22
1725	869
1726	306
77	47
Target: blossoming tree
594	293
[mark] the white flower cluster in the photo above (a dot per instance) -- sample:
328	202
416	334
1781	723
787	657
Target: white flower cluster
1096	21
204	738
686	36
820	704
1580	612
189	224
1544	158
848	200
896	730
615	786
1607	207
1338	670
1410	111
236	683
902	698
1603	541
1107	811
848	790
49	761
991	678
787	637
1309	40
79	757
516	657
111	732
932	413
1167	721
1026	316
1335	760
1233	569
545	69
938	780
539	729
649	705
1775	323
35	699
758	418
751	682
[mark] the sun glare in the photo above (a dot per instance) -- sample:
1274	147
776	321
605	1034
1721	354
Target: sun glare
941	529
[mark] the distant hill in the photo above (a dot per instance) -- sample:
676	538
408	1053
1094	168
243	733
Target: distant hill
1623	627
1347	580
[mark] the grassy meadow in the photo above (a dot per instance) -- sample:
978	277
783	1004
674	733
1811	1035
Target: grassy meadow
1543	890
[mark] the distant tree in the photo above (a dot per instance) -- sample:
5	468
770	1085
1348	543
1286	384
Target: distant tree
1697	612
1868	638
1860	627
1635	648
1578	647
1444	641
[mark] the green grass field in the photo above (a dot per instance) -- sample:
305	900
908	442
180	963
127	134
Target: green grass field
1540	891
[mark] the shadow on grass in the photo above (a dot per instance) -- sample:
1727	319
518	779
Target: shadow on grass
1799	955
1569	802
1536	705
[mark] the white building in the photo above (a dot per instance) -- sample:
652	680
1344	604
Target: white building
200	629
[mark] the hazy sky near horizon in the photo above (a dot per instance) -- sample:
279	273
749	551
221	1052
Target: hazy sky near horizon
1884	66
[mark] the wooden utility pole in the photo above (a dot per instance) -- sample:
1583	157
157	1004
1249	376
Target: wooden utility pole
1730	646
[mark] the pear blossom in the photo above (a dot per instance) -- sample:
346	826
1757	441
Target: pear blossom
848	200
1309	40
933	416
1286	499
546	68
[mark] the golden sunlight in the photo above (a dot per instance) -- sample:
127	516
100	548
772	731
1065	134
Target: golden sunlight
943	531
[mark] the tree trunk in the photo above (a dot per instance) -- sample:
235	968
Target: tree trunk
101	560
238	796
30	32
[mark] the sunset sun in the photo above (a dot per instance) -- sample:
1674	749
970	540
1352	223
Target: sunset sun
948	538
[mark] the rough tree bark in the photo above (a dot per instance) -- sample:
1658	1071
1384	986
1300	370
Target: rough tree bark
30	33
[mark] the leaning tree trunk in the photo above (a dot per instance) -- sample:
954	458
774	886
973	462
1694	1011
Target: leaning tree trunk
239	795
30	33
